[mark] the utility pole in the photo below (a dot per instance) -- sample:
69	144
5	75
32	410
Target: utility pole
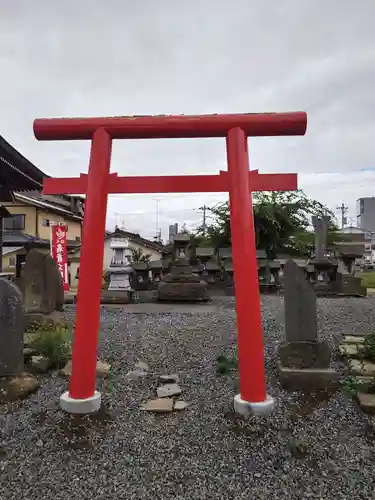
158	230
204	209
343	209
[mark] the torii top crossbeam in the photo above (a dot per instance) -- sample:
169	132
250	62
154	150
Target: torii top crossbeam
165	126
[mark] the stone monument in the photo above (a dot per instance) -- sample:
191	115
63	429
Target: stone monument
141	279
325	269
41	284
120	267
304	361
181	284
12	323
225	256
210	269
346	282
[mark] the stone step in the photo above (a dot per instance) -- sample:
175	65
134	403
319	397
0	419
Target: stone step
351	350
366	402
363	368
354	339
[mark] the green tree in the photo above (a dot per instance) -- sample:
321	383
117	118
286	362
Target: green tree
138	256
282	222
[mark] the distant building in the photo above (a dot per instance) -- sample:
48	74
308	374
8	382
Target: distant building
366	214
30	213
173	230
154	250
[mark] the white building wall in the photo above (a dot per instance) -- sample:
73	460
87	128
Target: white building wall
108	252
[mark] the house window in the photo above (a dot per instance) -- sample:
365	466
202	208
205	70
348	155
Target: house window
49	222
15	222
12	262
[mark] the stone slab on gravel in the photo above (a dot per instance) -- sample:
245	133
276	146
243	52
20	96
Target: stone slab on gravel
102	369
364	368
135	375
353	339
367	402
169	379
310	379
351	350
40	363
141	366
161	405
180	405
168	390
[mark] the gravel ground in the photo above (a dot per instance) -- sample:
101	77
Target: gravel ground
204	452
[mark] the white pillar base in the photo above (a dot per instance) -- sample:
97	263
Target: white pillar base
260	409
80	406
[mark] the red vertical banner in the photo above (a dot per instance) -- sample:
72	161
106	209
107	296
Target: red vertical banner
59	251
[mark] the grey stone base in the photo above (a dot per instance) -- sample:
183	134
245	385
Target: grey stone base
182	292
308	379
269	288
106	297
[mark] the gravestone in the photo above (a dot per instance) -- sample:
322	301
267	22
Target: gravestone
304	361
41	284
11	329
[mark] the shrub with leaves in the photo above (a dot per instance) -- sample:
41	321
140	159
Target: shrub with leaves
53	341
225	365
369	347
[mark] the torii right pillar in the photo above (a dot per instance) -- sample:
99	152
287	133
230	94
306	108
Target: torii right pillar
253	398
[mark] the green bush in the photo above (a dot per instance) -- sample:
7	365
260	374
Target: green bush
225	365
369	347
54	342
368	279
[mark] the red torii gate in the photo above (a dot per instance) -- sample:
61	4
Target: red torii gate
239	181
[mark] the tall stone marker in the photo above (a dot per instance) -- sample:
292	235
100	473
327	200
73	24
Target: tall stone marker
299	304
41	284
11	329
321	231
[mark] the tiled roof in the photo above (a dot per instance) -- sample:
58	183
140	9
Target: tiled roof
18	238
47	205
16	172
7	250
137	239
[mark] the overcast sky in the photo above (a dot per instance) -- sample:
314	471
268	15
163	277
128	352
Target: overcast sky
118	57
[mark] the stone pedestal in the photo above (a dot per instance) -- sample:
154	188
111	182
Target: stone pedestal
349	285
325	271
181	284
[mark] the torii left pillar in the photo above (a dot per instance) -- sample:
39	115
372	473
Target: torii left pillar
82	397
